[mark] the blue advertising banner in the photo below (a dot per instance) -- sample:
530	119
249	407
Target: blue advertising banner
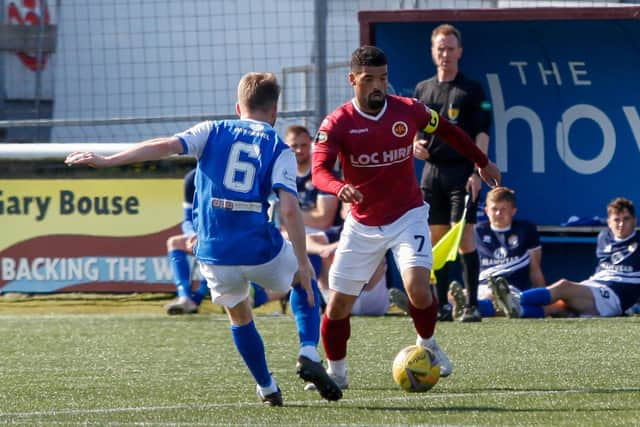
565	95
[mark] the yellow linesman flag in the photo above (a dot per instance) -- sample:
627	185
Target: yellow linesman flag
447	248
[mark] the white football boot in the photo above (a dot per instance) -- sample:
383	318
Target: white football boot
440	357
183	305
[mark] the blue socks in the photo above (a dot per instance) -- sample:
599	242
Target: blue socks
181	272
531	311
251	348
259	295
535	296
307	318
532	302
201	292
485	307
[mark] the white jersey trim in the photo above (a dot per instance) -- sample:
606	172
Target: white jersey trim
369	116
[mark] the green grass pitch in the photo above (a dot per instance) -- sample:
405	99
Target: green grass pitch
126	369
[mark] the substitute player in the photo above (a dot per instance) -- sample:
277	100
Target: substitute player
612	289
509	250
240	163
372	135
178	247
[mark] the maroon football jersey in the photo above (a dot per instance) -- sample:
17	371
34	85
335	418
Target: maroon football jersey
376	154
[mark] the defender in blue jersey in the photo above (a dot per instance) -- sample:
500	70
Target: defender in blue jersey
615	285
240	164
181	245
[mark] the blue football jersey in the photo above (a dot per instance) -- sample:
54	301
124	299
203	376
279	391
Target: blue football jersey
619	266
187	203
506	253
240	164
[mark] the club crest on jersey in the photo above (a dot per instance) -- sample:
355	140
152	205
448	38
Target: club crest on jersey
453	113
513	241
617	257
400	129
500	253
632	247
321	137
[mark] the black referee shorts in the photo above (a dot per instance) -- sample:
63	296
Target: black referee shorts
443	187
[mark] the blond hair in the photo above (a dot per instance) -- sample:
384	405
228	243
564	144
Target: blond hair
296	130
501	194
446	30
258	91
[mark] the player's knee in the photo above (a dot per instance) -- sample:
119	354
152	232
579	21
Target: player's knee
339	306
563	284
176	242
420	298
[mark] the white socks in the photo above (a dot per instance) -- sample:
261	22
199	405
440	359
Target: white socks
337	367
426	342
272	388
310	352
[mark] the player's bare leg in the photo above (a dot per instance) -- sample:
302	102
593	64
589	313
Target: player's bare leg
576	296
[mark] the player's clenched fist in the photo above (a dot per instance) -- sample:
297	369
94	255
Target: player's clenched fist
350	194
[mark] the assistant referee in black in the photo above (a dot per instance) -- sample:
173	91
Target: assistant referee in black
448	176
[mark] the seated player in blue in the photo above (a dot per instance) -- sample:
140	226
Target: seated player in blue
611	290
180	246
240	164
509	251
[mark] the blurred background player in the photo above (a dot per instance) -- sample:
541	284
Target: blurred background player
509	250
374	299
448	176
240	164
372	136
320	210
178	249
611	290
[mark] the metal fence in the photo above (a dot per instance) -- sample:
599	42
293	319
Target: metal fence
123	71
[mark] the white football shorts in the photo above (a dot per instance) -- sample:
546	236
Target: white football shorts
229	284
607	301
372	302
362	247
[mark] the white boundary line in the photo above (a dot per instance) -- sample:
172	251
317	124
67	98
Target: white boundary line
403	397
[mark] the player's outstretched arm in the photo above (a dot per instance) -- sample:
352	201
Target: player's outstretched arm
294	224
152	149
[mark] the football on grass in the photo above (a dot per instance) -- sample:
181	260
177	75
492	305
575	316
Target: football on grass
414	369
